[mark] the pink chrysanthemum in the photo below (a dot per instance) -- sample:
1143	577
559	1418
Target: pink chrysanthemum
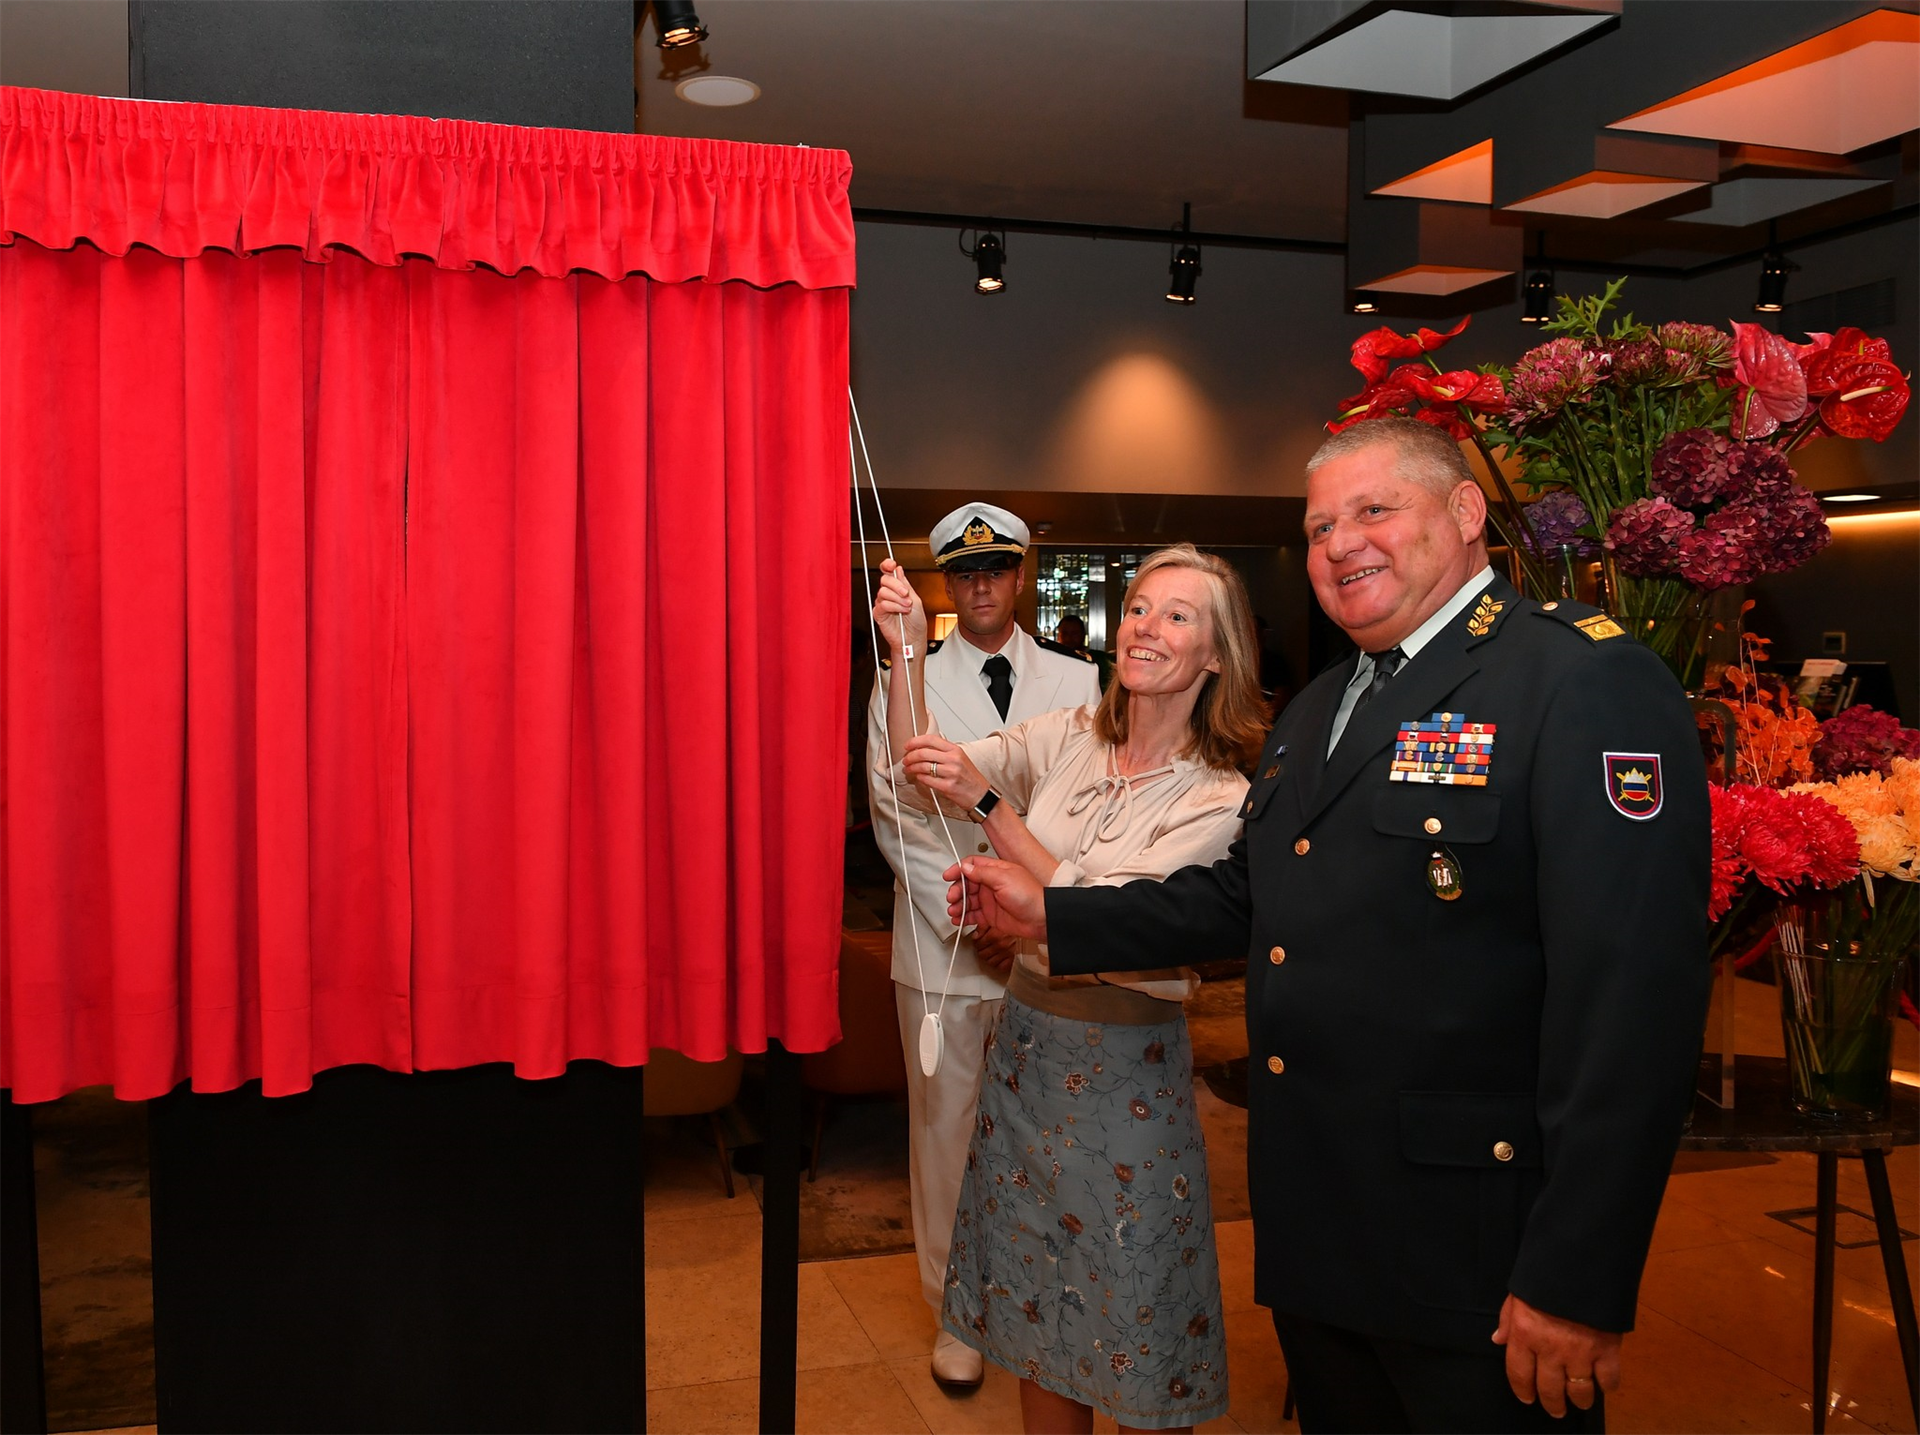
1548	378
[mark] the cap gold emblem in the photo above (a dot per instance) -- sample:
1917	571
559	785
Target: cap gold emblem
976	533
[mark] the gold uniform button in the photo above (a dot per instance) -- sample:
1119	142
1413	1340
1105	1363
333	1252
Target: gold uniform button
1277	955
983	847
1432	824
1503	1151
1302	847
1548	607
1248	807
1276	1065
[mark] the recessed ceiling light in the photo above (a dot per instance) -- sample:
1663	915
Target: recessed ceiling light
717	90
1849	497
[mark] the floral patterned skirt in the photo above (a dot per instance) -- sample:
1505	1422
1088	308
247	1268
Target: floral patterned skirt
1082	1253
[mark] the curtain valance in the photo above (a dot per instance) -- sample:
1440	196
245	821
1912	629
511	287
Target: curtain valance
184	178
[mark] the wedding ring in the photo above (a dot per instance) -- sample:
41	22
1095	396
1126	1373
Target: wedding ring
1579	1380
936	770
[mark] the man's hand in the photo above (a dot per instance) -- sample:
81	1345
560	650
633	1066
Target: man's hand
998	894
1555	1360
996	949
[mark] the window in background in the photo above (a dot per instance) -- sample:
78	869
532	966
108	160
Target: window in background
1073	581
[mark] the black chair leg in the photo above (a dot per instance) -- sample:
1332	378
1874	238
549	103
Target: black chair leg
1886	1222
720	1145
1286	1405
1824	1203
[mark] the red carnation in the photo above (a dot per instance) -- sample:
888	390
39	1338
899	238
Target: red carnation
1791	839
1728	869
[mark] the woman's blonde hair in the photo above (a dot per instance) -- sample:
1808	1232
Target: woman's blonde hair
1230	717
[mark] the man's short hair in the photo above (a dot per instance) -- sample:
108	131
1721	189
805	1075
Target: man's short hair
1426	455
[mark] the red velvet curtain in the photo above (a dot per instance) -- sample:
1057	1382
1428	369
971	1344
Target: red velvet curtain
406	662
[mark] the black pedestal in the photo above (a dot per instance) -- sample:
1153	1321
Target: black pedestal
23	1403
439	1251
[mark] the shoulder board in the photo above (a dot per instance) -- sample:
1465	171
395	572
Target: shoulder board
886	664
1596	625
1061	648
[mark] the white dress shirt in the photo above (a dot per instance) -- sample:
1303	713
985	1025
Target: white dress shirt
1409	645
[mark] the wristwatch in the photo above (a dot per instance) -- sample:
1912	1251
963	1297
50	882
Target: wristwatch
985	805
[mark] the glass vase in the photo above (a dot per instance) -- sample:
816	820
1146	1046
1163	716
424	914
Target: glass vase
1836	1015
1666	614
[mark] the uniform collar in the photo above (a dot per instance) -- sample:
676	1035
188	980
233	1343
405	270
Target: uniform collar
1451	609
1017	651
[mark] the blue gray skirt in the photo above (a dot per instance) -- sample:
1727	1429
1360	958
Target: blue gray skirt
1082	1253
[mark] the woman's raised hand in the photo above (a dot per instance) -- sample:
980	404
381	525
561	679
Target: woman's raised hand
895	604
943	769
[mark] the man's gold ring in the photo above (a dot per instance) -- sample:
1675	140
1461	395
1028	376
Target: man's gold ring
1579	1380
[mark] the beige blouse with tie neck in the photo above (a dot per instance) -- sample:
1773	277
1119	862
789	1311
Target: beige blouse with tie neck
1105	829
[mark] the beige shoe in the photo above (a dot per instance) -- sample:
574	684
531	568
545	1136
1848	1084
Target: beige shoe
955	1362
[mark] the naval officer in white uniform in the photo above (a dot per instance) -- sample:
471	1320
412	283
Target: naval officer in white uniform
987	675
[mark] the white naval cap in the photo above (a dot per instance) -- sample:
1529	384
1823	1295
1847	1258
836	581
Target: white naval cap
978	535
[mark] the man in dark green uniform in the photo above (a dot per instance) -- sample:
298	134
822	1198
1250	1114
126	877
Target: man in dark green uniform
1472	890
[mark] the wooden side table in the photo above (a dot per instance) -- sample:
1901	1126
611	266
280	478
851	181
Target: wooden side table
1764	1120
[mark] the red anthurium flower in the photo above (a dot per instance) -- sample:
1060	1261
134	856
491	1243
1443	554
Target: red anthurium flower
1773	390
1818	361
1483	393
1445	417
1373	350
1868	397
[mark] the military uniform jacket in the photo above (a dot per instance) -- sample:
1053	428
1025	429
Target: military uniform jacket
1454	1099
1046	676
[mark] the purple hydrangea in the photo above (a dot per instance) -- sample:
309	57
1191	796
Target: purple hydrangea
1793	527
1557	519
1862	739
1729	547
1645	537
1697	469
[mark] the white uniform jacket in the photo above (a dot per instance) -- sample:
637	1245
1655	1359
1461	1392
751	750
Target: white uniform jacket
1044	678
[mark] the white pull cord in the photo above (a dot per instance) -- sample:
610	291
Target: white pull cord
932	1035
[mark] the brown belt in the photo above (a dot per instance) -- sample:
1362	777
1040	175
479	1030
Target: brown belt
1099	1004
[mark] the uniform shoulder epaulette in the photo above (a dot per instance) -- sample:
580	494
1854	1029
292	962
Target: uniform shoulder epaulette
1062	649
886	664
1594	623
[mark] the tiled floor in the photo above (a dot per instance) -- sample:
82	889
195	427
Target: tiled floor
1722	1345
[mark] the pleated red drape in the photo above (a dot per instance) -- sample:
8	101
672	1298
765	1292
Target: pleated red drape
404	662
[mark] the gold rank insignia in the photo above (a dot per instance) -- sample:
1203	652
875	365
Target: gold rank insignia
1599	627
977	532
1481	623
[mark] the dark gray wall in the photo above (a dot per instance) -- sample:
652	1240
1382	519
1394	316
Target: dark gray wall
566	63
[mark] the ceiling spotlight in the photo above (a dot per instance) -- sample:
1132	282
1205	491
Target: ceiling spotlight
1183	269
989	252
1537	297
1774	269
675	24
1359	303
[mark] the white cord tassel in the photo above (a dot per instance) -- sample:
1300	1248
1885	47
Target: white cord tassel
932	1035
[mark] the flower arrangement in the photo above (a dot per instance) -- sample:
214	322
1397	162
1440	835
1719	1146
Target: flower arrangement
1791	844
1661	448
1863	739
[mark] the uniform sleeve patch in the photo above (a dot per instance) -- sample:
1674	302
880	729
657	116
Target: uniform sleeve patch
1633	784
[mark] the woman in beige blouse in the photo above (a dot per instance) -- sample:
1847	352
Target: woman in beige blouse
1082	1253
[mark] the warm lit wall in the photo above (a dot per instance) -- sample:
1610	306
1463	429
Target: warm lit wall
1866	585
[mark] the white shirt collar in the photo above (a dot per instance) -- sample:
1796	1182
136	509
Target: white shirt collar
1014	650
1427	631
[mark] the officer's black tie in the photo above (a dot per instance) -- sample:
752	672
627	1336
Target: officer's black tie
1385	665
999	675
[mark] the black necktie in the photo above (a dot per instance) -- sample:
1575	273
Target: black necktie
1385	665
999	675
